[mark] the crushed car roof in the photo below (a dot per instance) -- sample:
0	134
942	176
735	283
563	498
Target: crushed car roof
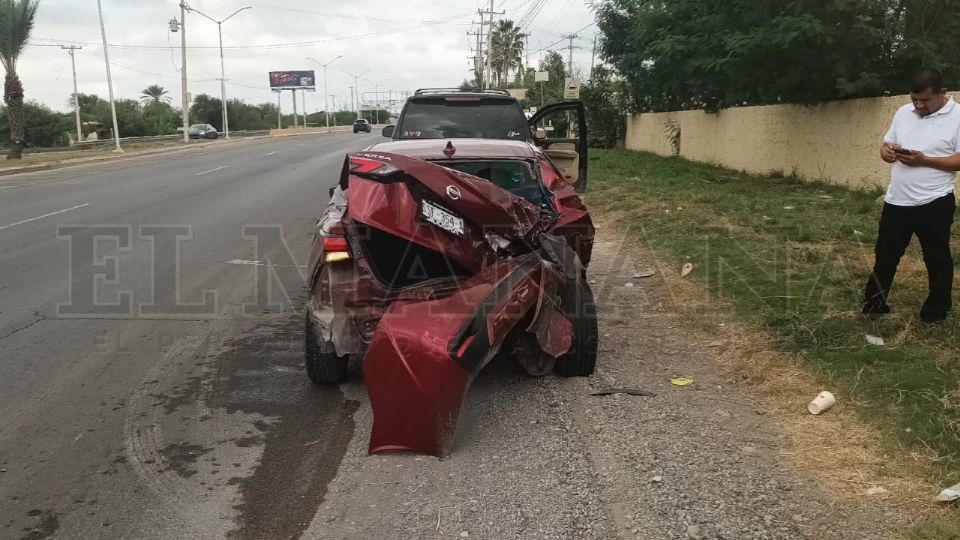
431	149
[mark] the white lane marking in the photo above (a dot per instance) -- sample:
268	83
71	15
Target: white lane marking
245	262
212	170
20	185
301	144
2	227
270	153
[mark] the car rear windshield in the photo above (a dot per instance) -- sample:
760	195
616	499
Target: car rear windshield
515	176
455	117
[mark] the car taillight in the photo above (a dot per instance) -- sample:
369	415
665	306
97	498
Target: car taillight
367	166
335	247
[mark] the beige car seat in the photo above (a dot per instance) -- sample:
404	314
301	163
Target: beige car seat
566	157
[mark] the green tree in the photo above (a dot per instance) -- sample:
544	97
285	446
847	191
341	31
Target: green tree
16	24
154	94
506	50
552	90
683	54
604	97
45	128
207	110
160	118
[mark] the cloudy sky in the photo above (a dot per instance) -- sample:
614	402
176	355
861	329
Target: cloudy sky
410	43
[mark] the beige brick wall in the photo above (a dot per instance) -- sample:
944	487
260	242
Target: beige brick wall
836	142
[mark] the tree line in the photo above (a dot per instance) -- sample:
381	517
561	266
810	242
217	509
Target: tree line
690	54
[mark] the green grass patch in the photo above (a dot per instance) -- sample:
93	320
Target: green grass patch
793	257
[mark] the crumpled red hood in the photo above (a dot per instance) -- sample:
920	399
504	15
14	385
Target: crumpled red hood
426	351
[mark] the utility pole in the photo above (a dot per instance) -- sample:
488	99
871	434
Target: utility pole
326	99
593	56
570	48
106	60
223	77
333	105
296	116
279	114
76	96
478	55
303	96
488	66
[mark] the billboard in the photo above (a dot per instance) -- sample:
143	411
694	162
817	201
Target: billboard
292	79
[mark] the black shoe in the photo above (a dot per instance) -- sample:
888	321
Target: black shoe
873	309
932	318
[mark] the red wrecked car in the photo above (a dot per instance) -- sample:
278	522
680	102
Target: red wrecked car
435	255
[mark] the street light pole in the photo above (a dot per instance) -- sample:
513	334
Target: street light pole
76	96
185	99
356	88
326	99
376	96
106	60
223	76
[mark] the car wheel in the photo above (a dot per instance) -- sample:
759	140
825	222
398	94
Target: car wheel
323	364
581	308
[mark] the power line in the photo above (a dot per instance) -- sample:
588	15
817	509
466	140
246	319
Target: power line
145	72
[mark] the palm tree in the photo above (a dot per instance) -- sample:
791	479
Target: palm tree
154	94
506	50
16	23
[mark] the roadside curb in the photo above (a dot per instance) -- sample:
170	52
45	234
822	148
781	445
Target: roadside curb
21	170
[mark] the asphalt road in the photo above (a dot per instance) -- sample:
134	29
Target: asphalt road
150	422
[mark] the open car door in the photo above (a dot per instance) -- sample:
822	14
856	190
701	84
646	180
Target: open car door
564	139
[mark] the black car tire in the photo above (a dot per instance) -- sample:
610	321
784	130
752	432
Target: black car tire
323	364
581	308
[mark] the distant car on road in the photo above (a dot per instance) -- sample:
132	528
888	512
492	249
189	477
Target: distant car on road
361	125
203	131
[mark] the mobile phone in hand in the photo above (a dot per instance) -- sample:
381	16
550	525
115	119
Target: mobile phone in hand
902	151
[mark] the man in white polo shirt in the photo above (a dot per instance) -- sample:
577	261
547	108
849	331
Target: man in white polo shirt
923	144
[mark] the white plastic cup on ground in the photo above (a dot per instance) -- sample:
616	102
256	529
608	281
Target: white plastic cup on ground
821	403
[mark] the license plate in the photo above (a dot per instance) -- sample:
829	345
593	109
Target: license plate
441	218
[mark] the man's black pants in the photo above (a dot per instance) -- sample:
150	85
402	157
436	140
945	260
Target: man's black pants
931	223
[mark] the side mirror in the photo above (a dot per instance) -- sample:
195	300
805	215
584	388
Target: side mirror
539	133
388	131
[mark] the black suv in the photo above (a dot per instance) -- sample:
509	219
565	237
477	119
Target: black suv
361	125
560	129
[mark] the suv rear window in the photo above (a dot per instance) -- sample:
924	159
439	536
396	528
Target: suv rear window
462	117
